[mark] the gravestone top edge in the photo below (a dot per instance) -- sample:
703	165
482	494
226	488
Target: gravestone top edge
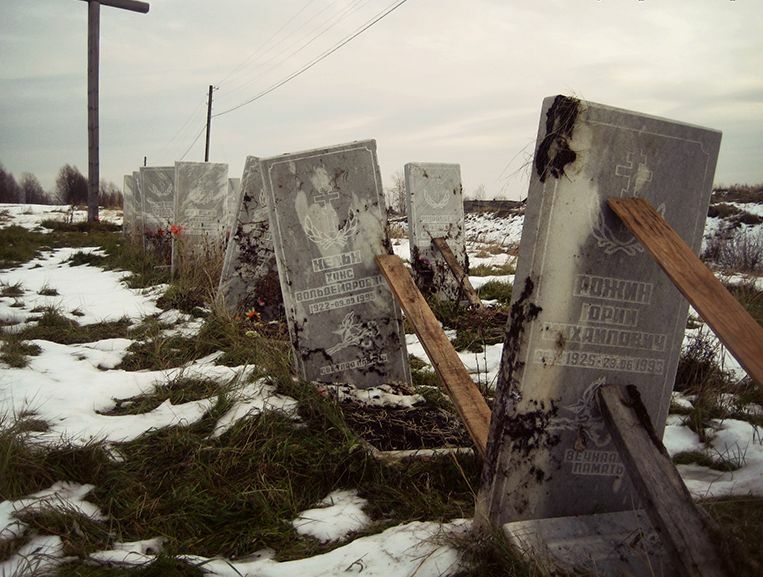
371	142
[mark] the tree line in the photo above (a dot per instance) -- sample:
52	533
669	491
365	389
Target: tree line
70	188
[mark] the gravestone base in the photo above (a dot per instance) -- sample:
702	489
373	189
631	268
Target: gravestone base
623	543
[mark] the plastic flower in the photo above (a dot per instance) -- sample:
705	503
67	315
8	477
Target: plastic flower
176	229
252	314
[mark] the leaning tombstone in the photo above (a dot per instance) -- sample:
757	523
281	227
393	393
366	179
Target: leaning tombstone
158	188
328	222
198	228
128	214
233	201
435	209
249	281
137	210
589	308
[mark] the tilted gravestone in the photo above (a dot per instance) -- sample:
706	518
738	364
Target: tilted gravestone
589	307
328	222
249	280
200	209
137	209
435	207
233	203
128	212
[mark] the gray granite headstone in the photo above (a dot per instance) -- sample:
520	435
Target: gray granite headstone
158	191
233	203
328	222
128	207
201	190
590	307
435	208
250	277
137	208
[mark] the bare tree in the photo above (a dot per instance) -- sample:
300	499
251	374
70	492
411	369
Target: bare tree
109	196
396	193
71	185
32	190
9	189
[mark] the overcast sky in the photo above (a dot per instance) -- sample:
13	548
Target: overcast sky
436	80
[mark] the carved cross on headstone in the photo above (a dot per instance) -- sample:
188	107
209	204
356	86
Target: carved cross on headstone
93	33
634	181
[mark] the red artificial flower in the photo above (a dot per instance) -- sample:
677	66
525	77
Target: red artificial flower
252	314
176	229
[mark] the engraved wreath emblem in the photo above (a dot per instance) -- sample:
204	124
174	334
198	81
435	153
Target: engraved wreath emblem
331	234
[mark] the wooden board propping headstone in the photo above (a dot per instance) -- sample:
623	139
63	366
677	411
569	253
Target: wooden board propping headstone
725	315
471	406
685	531
455	267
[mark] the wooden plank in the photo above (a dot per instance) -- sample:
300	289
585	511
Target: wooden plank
455	267
470	404
733	325
686	531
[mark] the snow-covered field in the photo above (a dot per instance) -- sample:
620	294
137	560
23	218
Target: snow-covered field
70	386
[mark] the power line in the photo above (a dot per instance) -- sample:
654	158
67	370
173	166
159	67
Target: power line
182	127
261	46
343	14
201	131
316	60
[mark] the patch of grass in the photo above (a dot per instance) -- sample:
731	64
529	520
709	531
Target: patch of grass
750	298
491	554
495	269
13	290
47	291
741	528
9	547
81	227
163	566
703	459
53	326
14	351
722	210
179	390
80	534
86	258
18	245
496	290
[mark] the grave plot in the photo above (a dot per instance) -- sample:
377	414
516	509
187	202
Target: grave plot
328	217
589	308
249	281
200	210
435	208
158	188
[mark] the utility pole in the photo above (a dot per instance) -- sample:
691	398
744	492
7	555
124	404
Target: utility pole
93	39
209	123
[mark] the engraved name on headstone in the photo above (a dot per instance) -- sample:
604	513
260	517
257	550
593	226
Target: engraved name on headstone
249	279
435	208
328	222
200	209
128	212
590	307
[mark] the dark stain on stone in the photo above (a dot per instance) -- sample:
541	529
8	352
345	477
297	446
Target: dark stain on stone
554	152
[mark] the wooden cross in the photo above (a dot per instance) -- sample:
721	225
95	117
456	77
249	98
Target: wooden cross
93	34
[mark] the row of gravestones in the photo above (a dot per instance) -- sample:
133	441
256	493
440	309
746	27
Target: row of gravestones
588	307
326	213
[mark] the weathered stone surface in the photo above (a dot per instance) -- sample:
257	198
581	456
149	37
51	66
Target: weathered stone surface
157	184
250	277
137	209
128	207
622	543
589	307
233	202
200	209
328	217
435	208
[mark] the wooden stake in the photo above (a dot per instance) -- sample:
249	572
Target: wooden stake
733	325
455	267
471	406
686	531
